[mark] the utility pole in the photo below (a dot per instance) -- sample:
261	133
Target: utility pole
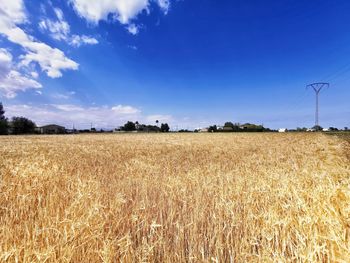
317	87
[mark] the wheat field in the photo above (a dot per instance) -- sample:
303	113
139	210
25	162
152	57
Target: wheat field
174	198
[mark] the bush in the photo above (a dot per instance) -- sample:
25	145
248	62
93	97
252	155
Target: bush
21	125
164	127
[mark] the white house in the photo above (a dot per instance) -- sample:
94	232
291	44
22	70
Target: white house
282	130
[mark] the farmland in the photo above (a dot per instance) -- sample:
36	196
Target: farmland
175	198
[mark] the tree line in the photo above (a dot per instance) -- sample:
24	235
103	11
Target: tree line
18	125
237	127
136	126
22	125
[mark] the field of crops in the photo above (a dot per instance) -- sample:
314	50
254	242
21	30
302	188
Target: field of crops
175	198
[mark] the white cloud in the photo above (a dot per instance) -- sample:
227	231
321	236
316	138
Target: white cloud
133	29
5	62
15	82
68	107
59	13
14	10
11	80
77	40
60	30
122	10
34	74
164	5
120	109
51	60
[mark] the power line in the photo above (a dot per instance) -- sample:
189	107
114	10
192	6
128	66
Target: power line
336	74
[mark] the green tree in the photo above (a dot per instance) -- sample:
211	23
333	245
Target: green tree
21	125
249	127
213	128
229	124
129	126
228	127
2	112
164	127
3	121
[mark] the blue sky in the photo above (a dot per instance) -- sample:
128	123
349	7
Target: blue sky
190	63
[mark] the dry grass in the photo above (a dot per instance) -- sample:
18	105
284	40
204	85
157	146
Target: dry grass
174	198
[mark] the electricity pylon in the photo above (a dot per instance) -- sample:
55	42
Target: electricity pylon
317	87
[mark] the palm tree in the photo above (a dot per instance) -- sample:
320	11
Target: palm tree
157	122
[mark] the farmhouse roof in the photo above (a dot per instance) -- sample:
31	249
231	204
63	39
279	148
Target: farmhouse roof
52	125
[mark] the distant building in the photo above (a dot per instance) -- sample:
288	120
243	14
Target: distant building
282	130
227	129
71	131
51	129
204	130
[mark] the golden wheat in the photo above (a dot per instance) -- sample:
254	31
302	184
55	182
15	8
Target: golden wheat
174	198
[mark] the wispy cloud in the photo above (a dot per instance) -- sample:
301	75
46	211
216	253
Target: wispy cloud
11	80
65	96
133	47
59	29
77	40
133	29
164	5
120	109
